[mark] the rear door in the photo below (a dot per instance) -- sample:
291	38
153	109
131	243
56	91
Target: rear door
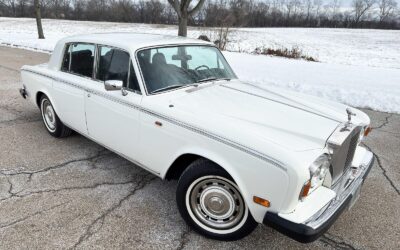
69	88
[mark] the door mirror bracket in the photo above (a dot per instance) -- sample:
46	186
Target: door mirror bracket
124	91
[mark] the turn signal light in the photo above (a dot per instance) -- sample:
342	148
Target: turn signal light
261	201
367	131
305	190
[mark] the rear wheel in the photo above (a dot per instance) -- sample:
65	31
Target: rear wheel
50	119
211	203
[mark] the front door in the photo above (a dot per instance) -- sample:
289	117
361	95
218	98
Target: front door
112	118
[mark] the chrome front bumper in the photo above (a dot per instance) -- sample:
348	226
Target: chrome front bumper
347	192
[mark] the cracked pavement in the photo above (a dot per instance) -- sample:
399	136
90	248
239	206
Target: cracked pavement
73	194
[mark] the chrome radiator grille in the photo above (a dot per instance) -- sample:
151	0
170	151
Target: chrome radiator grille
351	151
342	156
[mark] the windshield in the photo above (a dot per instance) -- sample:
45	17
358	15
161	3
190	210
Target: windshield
168	68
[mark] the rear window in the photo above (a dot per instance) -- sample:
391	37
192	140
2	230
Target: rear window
82	59
79	59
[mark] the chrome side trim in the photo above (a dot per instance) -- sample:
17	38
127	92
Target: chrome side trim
218	138
174	121
38	73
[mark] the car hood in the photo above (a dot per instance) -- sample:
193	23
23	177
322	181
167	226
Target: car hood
253	115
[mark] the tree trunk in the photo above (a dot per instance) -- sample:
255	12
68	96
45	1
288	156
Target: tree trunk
183	26
38	19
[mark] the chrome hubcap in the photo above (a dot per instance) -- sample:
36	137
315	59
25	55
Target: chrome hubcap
217	203
49	115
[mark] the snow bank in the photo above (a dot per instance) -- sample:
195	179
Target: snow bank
377	48
358	86
359	67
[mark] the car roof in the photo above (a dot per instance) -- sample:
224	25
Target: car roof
132	41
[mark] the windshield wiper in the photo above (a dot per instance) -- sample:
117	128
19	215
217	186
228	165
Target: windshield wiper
168	88
174	87
207	79
213	79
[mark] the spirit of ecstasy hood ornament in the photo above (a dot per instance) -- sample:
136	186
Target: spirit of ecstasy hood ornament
349	115
348	124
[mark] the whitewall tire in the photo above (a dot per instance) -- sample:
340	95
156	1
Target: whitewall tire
50	118
211	203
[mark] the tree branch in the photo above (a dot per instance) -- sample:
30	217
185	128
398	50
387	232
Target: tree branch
185	5
175	5
196	8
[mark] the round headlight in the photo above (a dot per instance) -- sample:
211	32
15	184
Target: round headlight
318	170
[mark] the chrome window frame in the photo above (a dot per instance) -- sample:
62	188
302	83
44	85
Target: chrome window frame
168	46
139	92
96	63
70	60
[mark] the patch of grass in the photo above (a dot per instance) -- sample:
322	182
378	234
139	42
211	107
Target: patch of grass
293	53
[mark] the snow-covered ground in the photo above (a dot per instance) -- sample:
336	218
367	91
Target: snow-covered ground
358	86
358	67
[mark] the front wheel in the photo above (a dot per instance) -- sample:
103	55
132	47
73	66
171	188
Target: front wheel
211	203
50	119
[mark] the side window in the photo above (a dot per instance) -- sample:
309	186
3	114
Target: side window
113	65
133	81
82	59
66	58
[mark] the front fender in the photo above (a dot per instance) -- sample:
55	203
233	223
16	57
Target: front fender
253	176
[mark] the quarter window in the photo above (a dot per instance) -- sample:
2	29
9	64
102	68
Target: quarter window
82	59
66	58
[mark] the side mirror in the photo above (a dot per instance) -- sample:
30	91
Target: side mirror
111	85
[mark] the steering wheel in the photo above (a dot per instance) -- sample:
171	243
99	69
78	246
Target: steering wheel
202	66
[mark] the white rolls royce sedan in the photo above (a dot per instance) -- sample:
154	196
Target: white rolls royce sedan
242	153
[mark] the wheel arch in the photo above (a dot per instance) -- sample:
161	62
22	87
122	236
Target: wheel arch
39	95
183	160
179	165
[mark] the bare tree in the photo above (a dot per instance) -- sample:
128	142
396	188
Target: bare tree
383	14
386	9
308	6
361	7
335	7
38	19
182	8
10	4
